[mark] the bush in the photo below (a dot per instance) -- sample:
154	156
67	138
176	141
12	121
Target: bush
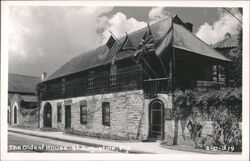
224	107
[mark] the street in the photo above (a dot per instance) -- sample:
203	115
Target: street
20	143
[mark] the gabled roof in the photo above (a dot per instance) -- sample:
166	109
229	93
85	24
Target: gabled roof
183	39
22	83
227	42
20	97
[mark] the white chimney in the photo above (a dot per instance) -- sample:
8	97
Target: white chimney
43	76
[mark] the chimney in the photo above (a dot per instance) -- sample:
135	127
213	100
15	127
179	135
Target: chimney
43	76
227	35
189	26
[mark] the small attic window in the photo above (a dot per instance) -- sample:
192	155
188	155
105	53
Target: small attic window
111	42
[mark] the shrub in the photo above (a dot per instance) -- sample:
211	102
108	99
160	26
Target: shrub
223	107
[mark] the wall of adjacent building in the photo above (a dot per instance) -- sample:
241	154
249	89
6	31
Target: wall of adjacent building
25	117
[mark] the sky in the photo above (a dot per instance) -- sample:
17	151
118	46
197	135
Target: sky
43	38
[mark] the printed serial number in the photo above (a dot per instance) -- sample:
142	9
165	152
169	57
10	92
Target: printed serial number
222	148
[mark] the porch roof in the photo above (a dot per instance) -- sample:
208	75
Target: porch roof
185	40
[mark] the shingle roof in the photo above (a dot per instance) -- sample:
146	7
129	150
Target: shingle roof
29	98
22	83
100	56
228	42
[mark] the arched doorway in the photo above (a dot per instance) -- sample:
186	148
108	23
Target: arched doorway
47	115
15	115
156	120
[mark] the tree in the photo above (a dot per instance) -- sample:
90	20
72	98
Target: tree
183	104
235	68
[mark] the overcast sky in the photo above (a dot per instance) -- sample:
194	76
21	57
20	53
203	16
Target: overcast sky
41	39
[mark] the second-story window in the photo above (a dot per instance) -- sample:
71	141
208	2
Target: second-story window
113	75
63	85
91	79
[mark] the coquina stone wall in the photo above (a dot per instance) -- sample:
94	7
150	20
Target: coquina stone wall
128	115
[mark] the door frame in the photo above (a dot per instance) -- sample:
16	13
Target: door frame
150	119
67	107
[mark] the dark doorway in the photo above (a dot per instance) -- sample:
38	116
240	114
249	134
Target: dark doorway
47	115
156	120
67	116
15	115
8	119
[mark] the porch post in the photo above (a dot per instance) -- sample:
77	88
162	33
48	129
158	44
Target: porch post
171	74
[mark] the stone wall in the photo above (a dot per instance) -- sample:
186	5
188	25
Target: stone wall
127	115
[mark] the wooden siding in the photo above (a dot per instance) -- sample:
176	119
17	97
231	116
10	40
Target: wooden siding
129	77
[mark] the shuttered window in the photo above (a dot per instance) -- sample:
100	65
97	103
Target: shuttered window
83	112
106	113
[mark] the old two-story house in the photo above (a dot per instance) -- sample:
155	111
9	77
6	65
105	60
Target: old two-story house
123	89
21	98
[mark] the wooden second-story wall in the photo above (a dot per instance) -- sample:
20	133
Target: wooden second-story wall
129	76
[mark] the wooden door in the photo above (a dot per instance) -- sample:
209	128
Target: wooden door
67	116
156	120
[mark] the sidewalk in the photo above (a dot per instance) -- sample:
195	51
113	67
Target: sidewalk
133	147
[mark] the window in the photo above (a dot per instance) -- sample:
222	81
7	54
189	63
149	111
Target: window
113	74
63	85
111	42
83	112
91	80
106	113
59	112
113	79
